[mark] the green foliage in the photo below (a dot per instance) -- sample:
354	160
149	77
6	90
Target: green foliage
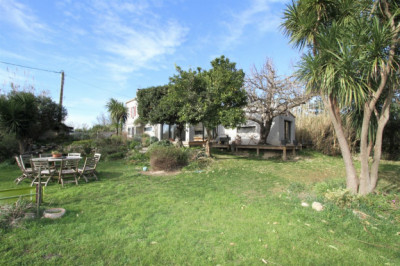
137	157
8	146
135	145
115	156
84	147
167	158
213	97
117	140
28	116
341	197
118	112
149	104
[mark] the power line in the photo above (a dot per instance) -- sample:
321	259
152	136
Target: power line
96	87
35	68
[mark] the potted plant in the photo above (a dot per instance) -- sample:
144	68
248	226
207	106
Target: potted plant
56	154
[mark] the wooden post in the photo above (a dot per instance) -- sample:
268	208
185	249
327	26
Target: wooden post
61	97
38	193
284	153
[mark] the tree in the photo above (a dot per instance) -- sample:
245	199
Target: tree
353	63
118	112
161	105
214	97
28	116
19	116
270	96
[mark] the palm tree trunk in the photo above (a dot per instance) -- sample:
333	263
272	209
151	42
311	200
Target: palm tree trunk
382	121
364	151
351	175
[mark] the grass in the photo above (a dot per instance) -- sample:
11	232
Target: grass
239	211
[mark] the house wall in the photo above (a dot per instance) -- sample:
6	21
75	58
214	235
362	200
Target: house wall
249	132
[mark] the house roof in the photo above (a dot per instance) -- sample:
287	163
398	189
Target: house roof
131	100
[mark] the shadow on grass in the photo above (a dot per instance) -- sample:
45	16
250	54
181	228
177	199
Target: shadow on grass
251	155
390	174
104	175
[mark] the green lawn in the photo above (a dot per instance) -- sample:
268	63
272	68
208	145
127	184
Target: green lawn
239	211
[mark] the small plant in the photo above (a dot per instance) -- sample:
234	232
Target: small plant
56	153
11	215
342	197
167	158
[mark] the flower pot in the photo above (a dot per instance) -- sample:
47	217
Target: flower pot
57	155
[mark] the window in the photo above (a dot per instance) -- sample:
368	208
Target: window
246	129
148	129
288	129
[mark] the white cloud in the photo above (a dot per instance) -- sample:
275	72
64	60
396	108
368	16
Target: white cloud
142	41
259	15
23	18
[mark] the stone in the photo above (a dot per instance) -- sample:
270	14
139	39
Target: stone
305	204
317	206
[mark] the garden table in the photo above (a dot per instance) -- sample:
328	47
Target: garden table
59	163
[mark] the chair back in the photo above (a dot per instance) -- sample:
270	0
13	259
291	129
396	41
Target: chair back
26	160
69	164
90	163
97	156
40	164
44	155
74	154
20	165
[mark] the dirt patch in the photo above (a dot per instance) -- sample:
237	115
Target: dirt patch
160	173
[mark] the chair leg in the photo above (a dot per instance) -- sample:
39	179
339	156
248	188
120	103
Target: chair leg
19	179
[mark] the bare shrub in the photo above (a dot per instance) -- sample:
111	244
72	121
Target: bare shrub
167	158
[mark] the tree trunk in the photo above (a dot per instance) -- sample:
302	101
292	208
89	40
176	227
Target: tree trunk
179	130
265	128
382	121
364	151
334	113
208	143
21	146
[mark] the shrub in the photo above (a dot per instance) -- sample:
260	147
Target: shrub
115	156
84	147
342	197
135	145
117	140
11	215
8	147
167	158
137	157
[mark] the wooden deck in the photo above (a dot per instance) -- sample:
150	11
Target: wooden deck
284	149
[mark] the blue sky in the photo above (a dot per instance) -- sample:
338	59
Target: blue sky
112	48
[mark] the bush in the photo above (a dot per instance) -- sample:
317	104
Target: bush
117	140
8	147
135	145
114	156
137	157
167	158
11	215
342	197
84	147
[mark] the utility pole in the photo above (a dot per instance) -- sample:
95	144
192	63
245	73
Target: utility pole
61	96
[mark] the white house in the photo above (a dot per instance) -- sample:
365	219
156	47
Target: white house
283	128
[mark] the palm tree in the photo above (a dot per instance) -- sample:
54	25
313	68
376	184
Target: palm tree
353	44
118	112
18	115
